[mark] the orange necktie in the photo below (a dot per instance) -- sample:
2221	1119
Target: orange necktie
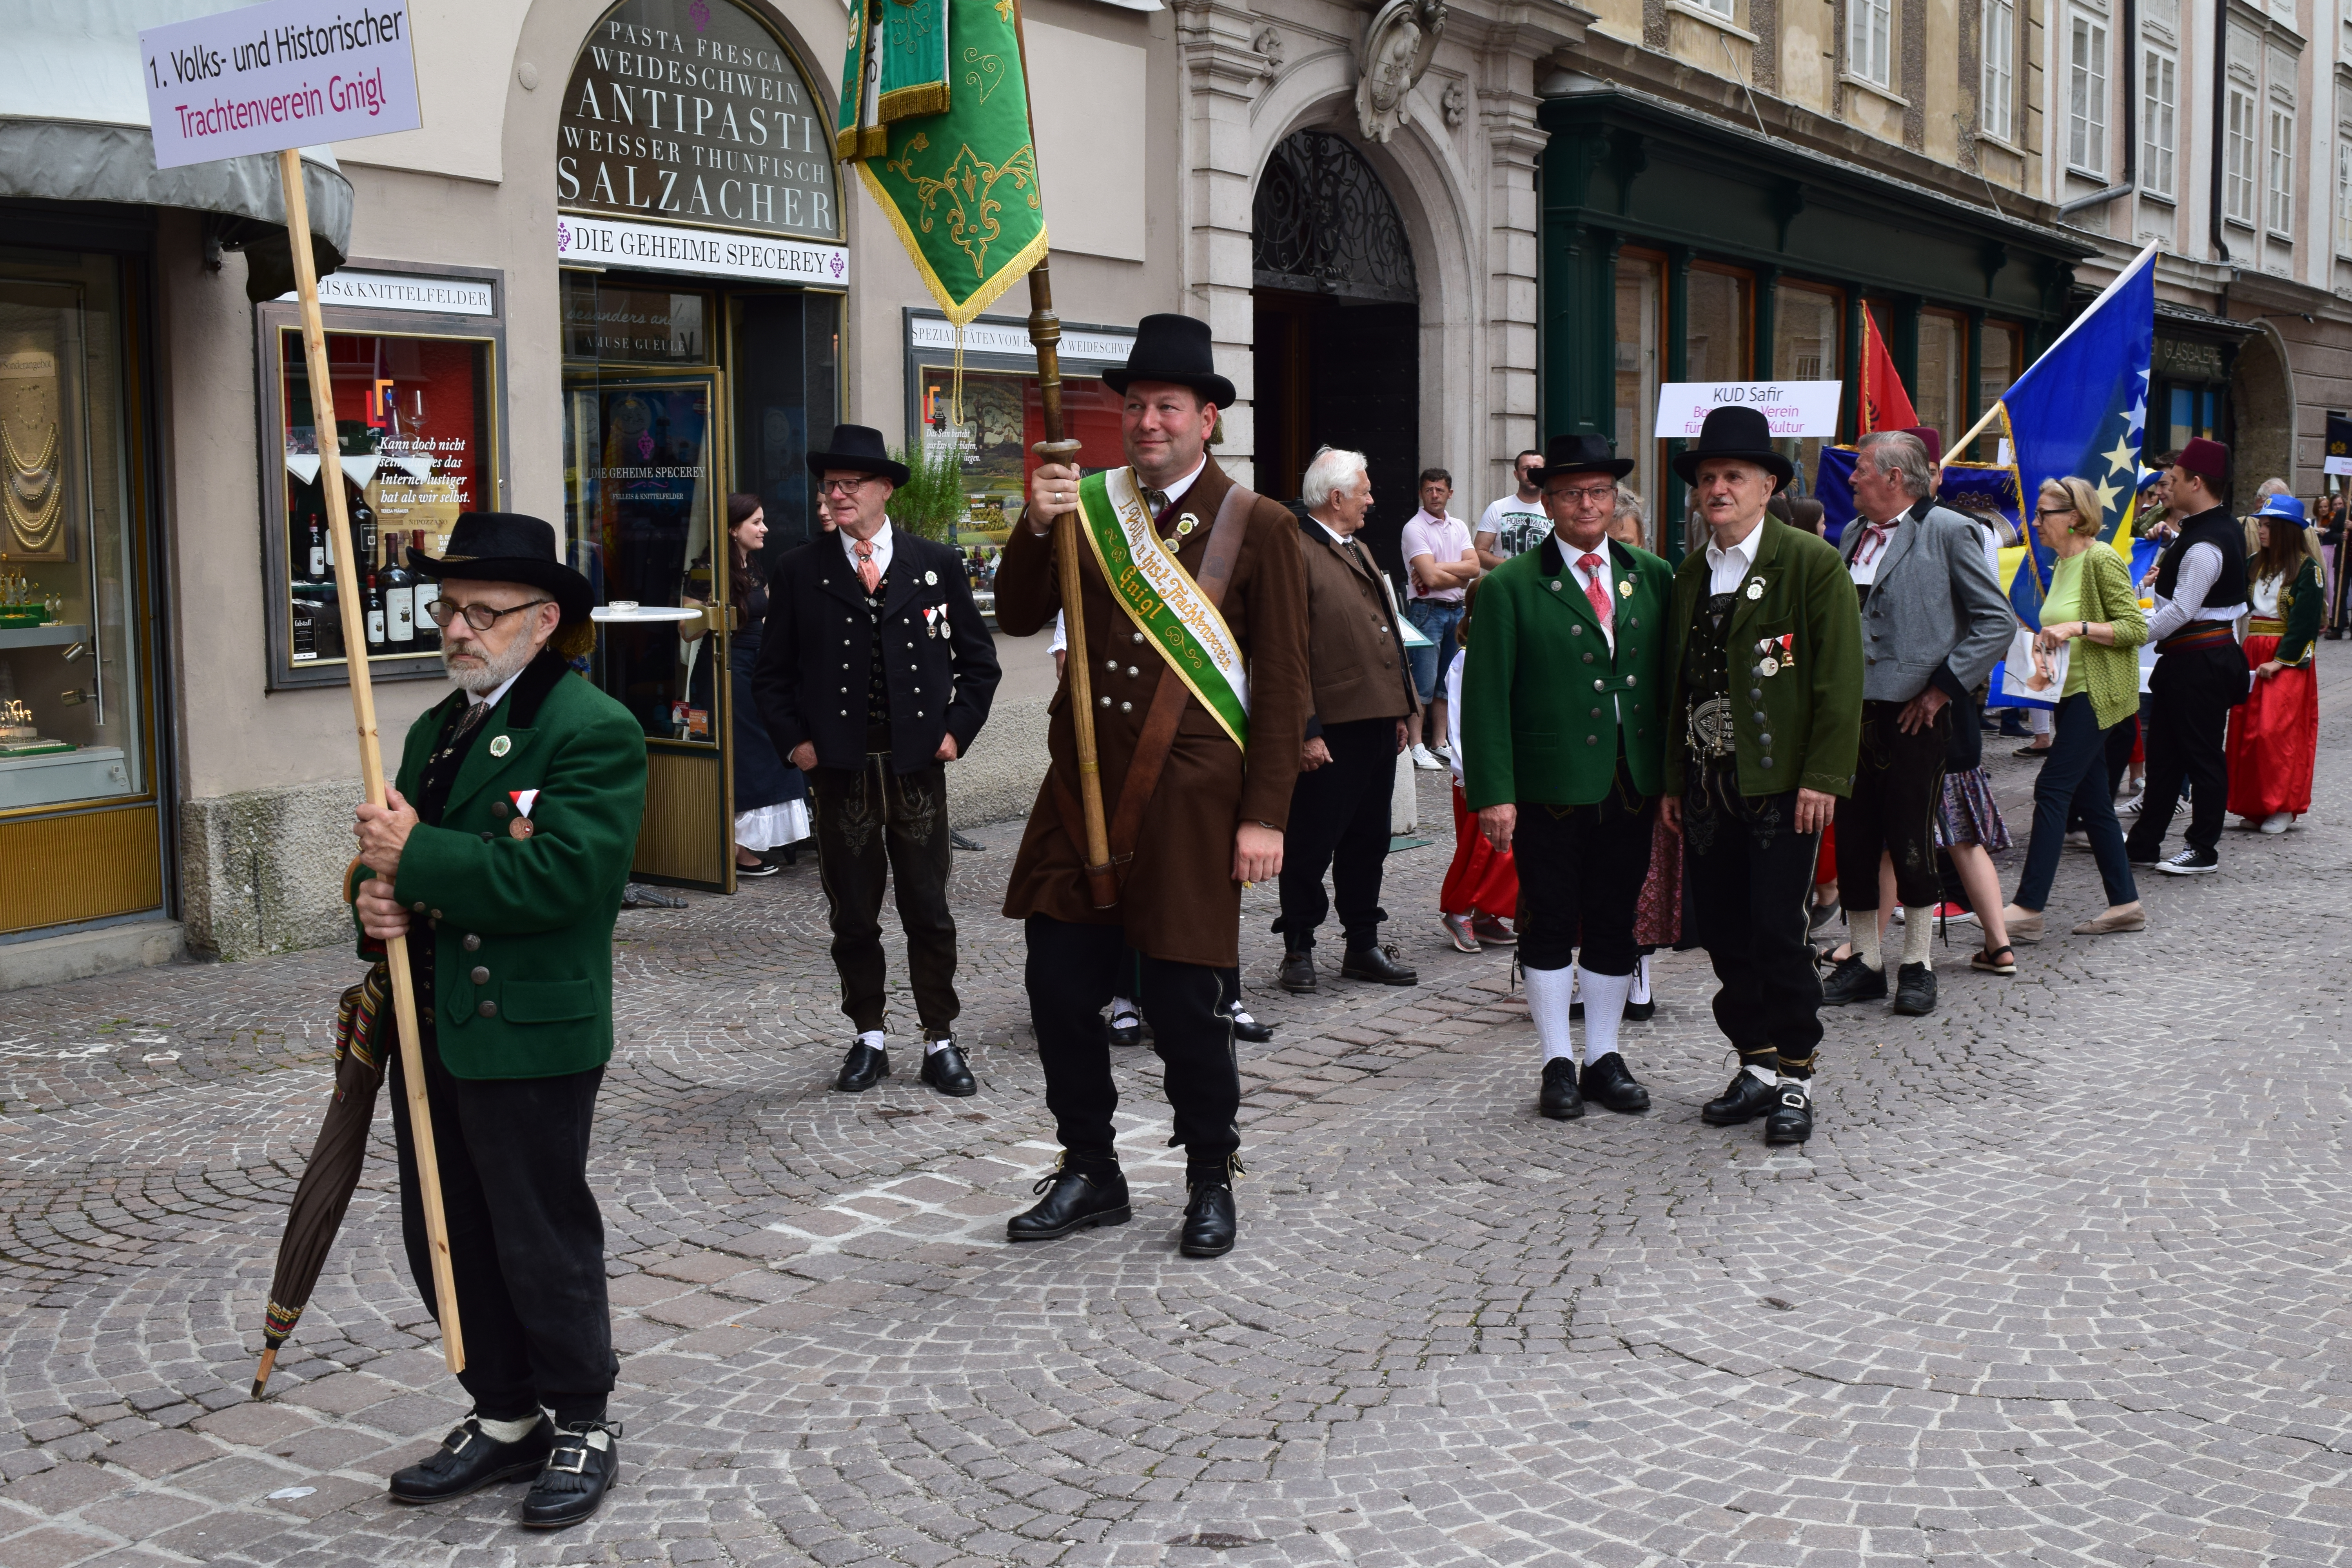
867	572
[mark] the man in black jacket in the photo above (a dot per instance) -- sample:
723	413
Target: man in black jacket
874	672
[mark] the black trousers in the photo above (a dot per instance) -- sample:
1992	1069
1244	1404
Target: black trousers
1581	868
1749	873
2190	694
1898	782
1339	820
875	826
2119	742
1072	971
526	1239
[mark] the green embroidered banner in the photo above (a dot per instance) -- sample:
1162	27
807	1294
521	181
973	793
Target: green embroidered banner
935	114
1160	598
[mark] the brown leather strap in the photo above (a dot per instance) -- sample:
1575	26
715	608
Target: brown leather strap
1168	701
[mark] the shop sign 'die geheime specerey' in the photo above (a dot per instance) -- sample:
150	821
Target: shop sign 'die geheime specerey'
1795	409
292	73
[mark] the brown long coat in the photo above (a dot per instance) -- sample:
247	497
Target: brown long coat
1179	900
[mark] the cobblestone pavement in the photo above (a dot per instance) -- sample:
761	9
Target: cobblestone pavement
2062	1279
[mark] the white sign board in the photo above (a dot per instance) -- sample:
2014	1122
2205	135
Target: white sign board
1794	408
399	291
933	333
2337	466
292	73
707	252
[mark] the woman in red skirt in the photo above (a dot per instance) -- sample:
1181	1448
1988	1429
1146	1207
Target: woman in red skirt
1480	896
2274	734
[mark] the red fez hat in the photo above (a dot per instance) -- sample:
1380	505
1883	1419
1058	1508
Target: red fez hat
2208	459
1931	438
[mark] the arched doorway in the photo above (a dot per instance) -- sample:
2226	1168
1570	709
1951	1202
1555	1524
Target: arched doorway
1337	327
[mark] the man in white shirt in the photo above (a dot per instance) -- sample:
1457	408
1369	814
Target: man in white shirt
1516	523
1439	564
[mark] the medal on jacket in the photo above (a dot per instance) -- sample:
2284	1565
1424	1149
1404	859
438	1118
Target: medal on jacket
1625	589
501	745
520	825
1776	654
1756	589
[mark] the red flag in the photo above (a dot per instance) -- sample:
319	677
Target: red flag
1885	405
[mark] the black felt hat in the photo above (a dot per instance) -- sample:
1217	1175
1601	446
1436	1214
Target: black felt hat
1734	432
1173	348
1582	455
860	448
509	547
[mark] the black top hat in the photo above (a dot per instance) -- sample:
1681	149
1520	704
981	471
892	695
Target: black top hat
509	547
1734	432
1173	348
1582	455
858	448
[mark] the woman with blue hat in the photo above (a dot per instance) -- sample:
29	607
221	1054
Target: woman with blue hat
2274	735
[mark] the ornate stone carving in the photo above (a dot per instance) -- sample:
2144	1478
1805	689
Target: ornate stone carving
1397	46
1456	104
1268	43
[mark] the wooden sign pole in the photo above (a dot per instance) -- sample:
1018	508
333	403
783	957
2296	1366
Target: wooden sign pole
348	569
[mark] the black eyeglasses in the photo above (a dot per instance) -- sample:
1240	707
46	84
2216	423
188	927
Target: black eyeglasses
481	617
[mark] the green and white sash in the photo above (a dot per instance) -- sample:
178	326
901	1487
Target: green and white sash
1161	598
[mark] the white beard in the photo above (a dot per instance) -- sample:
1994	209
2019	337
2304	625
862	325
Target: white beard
493	672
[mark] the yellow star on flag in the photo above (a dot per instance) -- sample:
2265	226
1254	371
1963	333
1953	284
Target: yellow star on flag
2123	459
2107	494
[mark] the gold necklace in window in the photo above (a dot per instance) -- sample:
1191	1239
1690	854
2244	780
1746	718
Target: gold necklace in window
33	498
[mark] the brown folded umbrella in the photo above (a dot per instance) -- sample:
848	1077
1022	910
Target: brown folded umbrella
325	1189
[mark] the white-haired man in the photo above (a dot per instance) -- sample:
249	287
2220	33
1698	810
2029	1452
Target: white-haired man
1364	694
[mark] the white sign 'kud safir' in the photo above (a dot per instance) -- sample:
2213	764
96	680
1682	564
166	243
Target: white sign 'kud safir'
292	73
1793	408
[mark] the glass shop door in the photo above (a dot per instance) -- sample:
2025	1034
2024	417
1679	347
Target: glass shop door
644	502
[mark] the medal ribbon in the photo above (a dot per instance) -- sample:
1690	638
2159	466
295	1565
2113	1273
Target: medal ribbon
1160	598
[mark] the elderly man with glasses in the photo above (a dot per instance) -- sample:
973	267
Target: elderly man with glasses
501	856
876	671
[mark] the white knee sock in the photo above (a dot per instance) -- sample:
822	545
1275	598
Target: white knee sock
1605	1008
1120	1007
1641	992
513	1431
1864	923
874	1038
1549	991
1919	934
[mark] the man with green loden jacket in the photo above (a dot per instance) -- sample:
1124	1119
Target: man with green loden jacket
1764	724
501	856
1563	728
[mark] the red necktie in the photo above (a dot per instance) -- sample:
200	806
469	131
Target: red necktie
1877	535
1595	587
867	572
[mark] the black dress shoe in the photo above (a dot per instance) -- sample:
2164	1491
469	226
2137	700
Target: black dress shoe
1749	1098
469	1459
1209	1222
578	1474
946	1070
1854	981
1791	1121
1074	1200
1378	965
1611	1084
1560	1100
1248	1028
1641	1012
1128	1034
861	1068
1298	972
1914	990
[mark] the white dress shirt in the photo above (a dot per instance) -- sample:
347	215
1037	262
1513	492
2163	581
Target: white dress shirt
881	542
481	698
2200	568
1871	551
1728	568
1176	491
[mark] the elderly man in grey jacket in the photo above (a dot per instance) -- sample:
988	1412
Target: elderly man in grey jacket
1934	622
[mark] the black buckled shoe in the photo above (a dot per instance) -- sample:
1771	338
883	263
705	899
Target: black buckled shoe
946	1070
861	1068
1126	1028
1248	1028
1560	1098
1378	965
579	1473
1791	1121
1854	981
1914	990
1074	1200
1209	1221
1611	1084
1298	972
469	1459
1749	1098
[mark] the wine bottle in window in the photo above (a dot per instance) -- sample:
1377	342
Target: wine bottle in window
428	590
316	536
363	530
399	596
374	615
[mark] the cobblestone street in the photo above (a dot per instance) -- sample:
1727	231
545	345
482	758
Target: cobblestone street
2062	1279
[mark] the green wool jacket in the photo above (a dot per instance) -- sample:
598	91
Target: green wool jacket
1543	698
1812	709
2301	604
522	963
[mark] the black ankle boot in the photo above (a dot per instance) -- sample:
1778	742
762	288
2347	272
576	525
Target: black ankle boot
1074	1200
1210	1223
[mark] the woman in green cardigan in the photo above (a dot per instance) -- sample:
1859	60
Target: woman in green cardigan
2092	612
2274	734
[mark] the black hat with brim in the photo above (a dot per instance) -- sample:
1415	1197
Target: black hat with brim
860	449
1173	348
509	547
1585	454
1743	433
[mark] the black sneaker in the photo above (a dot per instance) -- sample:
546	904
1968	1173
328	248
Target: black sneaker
1854	981
1914	990
2191	863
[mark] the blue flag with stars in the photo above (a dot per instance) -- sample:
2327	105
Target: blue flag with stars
2080	409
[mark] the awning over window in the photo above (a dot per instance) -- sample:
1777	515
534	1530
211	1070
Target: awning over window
73	127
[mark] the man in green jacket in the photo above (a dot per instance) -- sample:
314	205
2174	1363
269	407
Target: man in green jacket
501	856
1562	732
1764	724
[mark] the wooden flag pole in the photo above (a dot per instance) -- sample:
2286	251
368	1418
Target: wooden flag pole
348	568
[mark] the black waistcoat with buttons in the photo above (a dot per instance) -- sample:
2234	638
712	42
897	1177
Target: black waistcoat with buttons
1706	666
877	679
433	788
